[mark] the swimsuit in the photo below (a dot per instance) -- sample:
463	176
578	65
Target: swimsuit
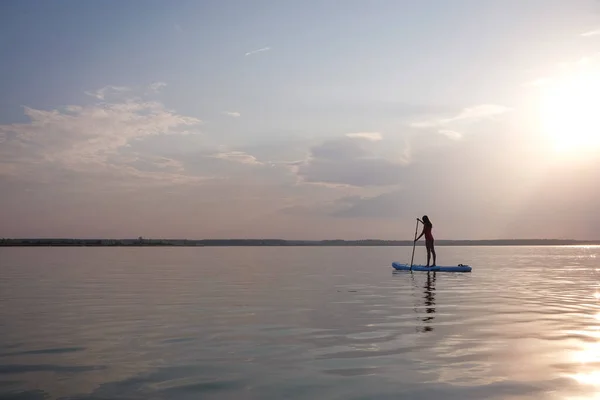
428	235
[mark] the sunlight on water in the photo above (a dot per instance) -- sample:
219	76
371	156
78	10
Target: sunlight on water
591	354
589	378
588	357
298	323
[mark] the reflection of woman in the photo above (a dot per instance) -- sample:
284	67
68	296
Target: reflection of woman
429	299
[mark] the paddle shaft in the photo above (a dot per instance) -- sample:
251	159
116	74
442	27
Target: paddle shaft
414	243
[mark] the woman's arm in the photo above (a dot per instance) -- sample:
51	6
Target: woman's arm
422	233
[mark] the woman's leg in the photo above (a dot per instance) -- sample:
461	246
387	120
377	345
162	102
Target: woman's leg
428	247
433	252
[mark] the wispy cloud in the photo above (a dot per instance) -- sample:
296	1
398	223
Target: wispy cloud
258	51
233	114
478	112
591	33
565	69
237	156
156	86
469	114
89	139
178	28
101	94
118	92
346	162
448	126
451	134
372	136
167	163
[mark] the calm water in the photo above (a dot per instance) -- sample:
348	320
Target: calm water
298	323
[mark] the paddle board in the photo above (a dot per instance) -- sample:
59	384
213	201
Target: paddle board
438	268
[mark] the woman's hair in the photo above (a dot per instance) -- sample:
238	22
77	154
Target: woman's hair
426	220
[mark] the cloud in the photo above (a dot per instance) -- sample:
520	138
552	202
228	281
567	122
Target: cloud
258	51
233	114
237	156
120	92
373	136
178	28
89	139
149	163
467	115
100	94
467	177
450	126
348	162
477	113
386	205
156	87
566	69
380	206
451	134
164	162
591	33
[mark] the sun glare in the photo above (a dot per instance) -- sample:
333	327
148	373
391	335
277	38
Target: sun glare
570	113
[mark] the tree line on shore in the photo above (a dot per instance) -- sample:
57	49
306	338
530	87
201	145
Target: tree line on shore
140	241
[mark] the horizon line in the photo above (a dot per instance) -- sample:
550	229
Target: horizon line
147	239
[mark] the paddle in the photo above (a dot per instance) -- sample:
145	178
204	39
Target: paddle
414	243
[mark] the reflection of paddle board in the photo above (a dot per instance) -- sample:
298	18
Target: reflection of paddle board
437	268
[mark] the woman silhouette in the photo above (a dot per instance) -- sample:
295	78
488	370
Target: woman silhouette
427	227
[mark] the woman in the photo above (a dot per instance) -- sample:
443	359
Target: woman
427	226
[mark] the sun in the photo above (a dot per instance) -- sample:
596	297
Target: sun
570	113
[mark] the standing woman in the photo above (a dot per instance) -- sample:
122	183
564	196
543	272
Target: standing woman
427	226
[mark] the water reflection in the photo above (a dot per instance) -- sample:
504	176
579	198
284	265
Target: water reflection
587	358
428	301
225	323
429	296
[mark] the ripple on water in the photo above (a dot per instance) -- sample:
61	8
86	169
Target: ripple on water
298	323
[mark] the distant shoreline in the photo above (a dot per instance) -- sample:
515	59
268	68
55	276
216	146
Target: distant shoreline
60	242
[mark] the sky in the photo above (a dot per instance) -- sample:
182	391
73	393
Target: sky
300	120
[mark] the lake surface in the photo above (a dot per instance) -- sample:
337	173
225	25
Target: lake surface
298	323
